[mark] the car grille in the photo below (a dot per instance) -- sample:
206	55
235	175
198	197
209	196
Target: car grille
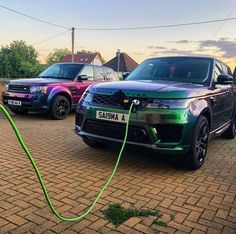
19	88
116	131
117	101
107	100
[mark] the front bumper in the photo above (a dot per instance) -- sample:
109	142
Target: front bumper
167	131
28	101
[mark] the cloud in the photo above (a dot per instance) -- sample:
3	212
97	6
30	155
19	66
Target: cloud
172	51
137	53
182	41
224	46
157	47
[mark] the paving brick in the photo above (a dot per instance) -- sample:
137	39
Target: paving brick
194	216
202	200
98	224
166	203
144	229
131	222
222	214
127	230
195	225
213	231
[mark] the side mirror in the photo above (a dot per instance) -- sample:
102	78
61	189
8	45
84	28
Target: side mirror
125	75
224	79
82	77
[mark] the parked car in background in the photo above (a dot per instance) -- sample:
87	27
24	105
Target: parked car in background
183	102
56	90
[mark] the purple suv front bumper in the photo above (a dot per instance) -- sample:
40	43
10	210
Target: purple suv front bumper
28	101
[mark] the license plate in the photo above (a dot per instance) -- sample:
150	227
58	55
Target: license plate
15	103
112	116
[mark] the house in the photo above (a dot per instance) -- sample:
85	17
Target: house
121	63
87	58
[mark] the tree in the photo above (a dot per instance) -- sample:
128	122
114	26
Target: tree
18	60
91	52
57	55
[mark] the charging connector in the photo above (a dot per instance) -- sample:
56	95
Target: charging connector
136	102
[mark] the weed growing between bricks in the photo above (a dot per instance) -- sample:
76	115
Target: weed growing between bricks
117	214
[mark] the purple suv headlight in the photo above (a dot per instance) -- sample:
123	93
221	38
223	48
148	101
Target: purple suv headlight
38	89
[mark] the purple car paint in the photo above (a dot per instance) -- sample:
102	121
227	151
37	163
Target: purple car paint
57	90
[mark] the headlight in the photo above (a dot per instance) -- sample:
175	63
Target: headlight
38	89
169	103
6	87
87	97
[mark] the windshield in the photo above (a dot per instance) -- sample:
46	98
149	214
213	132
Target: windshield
62	71
187	70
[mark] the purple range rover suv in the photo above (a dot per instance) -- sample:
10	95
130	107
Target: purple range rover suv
57	90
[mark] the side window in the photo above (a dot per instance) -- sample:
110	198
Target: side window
225	69
88	71
99	74
111	75
217	70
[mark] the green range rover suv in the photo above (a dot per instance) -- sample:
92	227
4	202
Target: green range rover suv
184	101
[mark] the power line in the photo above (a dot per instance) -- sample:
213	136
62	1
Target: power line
123	28
157	26
33	18
49	38
221	25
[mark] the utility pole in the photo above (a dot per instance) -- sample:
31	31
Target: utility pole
118	61
73	44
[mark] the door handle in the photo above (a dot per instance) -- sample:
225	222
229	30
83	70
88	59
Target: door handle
213	100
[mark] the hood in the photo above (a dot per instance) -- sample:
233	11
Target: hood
37	81
151	89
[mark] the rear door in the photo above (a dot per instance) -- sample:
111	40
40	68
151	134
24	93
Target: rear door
99	74
110	74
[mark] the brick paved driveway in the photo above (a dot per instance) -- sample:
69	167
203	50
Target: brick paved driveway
202	201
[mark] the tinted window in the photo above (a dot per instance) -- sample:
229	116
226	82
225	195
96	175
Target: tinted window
62	71
111	75
99	74
88	71
226	69
217	70
189	70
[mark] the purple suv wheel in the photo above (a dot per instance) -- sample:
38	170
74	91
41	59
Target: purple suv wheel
60	107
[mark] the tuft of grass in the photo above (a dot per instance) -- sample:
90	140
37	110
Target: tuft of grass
160	223
117	214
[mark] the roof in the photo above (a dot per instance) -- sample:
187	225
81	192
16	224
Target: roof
127	64
80	58
184	56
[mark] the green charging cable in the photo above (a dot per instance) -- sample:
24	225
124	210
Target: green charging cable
3	109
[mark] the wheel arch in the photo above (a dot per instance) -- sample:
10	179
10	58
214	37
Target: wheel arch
64	93
207	113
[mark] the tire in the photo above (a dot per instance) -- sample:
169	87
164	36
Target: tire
93	143
198	149
60	108
19	111
230	133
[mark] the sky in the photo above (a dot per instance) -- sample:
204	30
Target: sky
216	39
